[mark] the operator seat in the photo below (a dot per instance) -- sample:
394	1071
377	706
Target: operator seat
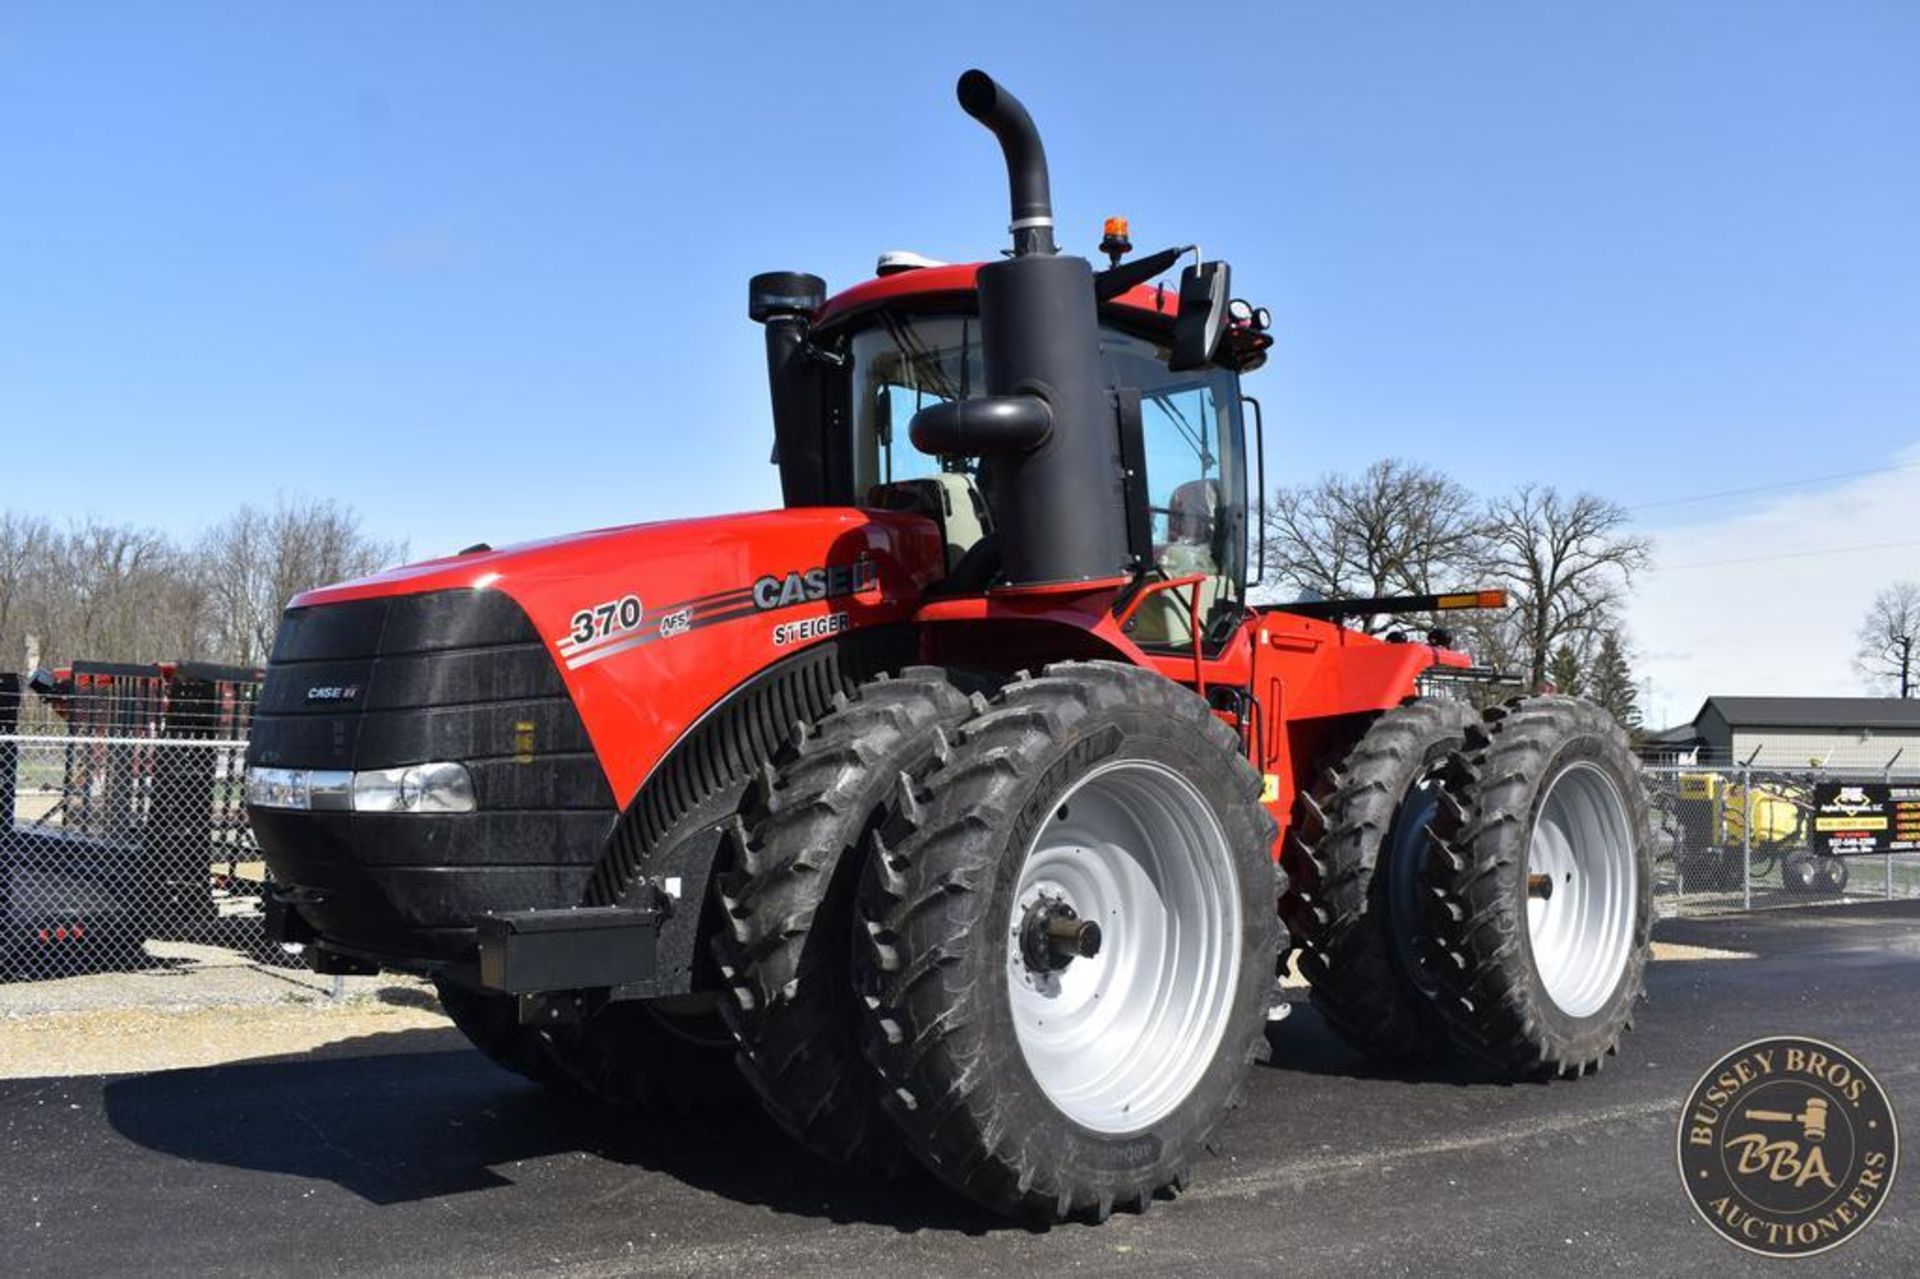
1163	620
950	499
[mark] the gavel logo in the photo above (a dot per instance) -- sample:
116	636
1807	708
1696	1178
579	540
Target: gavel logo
1812	1120
1787	1146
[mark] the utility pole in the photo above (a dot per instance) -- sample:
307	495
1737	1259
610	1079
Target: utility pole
1906	665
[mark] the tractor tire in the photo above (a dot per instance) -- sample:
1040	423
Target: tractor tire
491	1023
1830	874
1541	888
1357	865
1071	930
787	951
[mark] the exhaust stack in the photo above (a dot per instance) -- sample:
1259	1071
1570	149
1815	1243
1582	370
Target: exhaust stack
1047	423
1027	184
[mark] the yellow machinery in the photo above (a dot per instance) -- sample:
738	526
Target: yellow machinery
1718	822
1714	812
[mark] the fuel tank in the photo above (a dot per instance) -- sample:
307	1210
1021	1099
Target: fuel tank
560	675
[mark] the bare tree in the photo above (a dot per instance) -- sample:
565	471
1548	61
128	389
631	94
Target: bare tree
1398	528
112	592
1566	564
110	589
255	561
27	547
1887	637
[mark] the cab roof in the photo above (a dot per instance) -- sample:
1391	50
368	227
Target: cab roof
937	283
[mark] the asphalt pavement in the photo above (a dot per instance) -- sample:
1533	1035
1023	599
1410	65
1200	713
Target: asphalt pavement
407	1153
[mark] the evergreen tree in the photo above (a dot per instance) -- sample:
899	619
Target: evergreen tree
1563	672
1612	683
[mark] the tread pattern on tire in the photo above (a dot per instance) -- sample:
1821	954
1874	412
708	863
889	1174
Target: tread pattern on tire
1480	955
806	827
932	1061
1337	909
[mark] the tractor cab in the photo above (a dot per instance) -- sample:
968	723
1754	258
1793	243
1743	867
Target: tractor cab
909	340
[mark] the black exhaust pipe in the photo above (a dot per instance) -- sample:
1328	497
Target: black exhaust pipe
1032	195
1048	423
785	301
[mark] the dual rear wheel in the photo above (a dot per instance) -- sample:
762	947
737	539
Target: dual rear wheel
1481	883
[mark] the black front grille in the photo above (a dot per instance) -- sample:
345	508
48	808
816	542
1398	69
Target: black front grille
450	675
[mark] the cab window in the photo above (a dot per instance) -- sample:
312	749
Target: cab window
1190	429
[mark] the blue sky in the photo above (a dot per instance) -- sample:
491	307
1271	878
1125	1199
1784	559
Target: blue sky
479	270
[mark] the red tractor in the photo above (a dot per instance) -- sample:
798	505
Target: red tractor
965	804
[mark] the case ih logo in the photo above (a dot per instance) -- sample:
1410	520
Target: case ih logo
827	582
332	693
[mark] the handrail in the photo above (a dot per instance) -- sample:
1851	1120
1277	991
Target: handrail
1193	580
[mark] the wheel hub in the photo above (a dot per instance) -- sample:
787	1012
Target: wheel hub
1052	935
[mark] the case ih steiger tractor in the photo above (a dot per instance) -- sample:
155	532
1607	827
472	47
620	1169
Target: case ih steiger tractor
965	805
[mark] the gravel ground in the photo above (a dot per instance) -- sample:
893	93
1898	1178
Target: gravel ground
198	1006
180	975
132	1040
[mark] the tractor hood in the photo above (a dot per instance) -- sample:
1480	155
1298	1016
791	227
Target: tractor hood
650	625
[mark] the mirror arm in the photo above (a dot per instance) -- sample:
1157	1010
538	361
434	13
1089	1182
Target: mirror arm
1112	282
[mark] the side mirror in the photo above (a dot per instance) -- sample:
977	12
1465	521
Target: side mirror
1201	321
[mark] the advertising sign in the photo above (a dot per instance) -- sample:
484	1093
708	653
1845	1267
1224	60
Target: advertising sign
1852	819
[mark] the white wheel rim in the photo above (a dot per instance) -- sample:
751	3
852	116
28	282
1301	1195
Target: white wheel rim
1581	926
1117	1041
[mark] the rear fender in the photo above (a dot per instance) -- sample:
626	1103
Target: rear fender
1024	629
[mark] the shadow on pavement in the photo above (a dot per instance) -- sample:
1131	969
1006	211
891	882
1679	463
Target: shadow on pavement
1305	1044
403	1126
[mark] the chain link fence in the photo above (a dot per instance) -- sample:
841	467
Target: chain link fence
124	788
1731	837
127	827
116	841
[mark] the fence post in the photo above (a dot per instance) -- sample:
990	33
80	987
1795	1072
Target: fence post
1679	841
1746	839
10	750
1886	775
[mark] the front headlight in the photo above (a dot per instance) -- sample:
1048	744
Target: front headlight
418	788
441	787
279	787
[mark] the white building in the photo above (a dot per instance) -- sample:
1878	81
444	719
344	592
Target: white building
1850	733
